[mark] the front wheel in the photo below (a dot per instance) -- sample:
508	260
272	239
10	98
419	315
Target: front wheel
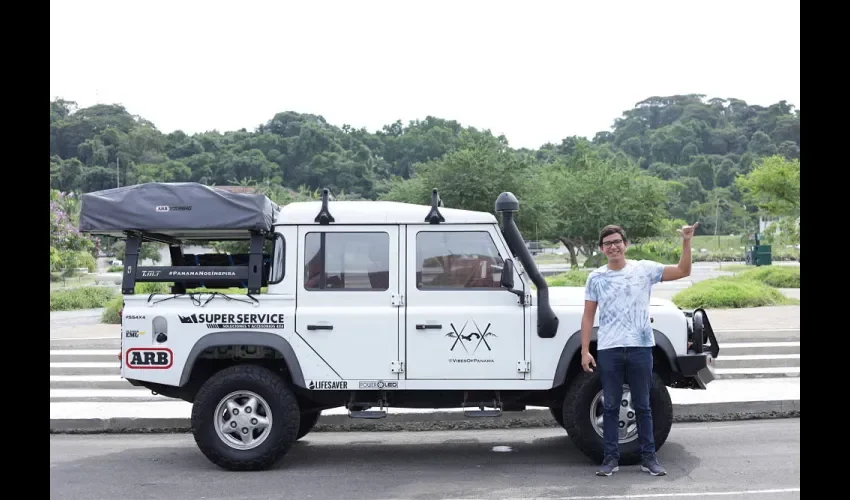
245	418
582	413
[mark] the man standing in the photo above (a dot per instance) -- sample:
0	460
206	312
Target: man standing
621	291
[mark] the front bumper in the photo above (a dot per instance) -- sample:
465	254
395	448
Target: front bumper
697	366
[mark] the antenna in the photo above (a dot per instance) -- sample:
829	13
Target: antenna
324	216
434	216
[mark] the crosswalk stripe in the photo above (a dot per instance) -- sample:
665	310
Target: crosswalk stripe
753	357
87	364
87	378
85	352
745	345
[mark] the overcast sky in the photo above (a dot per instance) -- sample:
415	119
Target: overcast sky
535	71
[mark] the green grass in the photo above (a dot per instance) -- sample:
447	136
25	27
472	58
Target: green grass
775	276
575	277
730	292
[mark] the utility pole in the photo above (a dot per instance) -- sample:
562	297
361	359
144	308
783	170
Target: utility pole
118	171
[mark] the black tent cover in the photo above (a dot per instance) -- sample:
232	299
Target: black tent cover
168	207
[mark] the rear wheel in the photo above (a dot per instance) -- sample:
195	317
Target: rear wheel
582	413
245	418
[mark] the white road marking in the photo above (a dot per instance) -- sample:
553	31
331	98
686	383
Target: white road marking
87	378
743	345
757	330
91	364
758	356
84	352
685	494
85	338
101	393
779	369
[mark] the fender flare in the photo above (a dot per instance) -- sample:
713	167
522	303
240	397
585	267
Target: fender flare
245	337
573	346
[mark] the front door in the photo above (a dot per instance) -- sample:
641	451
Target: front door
460	323
347	282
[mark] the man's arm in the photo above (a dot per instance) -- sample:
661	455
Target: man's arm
591	302
683	268
587	324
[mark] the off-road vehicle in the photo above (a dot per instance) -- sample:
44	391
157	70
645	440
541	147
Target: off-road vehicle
367	305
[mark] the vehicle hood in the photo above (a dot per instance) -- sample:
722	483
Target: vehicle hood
574	296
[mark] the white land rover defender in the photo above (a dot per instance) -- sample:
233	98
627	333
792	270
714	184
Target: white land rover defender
366	305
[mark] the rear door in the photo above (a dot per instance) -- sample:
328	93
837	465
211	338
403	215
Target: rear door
460	323
348	279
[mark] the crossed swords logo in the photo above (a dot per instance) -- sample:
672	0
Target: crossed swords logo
462	339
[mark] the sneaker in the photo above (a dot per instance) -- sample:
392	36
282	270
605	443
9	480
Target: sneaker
609	465
651	465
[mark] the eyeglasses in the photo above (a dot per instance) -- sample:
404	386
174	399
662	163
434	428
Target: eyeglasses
609	244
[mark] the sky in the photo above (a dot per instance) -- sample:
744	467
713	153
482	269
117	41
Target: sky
535	71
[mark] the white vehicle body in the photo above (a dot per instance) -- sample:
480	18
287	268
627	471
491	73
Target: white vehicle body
379	304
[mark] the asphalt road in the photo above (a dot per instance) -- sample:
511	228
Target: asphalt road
753	459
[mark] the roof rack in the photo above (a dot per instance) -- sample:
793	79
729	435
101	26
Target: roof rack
434	216
324	216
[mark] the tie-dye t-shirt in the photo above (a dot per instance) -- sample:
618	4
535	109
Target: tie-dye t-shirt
623	298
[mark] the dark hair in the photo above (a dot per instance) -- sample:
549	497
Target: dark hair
609	230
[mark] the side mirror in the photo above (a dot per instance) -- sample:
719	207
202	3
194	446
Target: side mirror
507	280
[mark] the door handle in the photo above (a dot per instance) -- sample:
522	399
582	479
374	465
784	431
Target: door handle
429	327
320	327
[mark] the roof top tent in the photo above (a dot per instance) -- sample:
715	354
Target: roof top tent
175	213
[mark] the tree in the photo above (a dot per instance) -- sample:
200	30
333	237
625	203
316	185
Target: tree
590	195
773	185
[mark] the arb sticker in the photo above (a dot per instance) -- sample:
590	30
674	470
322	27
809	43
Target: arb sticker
149	358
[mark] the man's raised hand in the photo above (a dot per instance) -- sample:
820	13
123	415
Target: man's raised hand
687	232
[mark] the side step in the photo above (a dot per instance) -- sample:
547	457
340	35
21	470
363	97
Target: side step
361	410
496	410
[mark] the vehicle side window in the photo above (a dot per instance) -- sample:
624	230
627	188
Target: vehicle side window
347	261
278	260
457	260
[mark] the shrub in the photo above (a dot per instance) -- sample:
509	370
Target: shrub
575	277
84	297
110	312
775	276
729	292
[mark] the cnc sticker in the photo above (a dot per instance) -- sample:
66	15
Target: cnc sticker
149	358
471	342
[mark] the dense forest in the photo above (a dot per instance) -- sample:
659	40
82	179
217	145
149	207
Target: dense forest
667	160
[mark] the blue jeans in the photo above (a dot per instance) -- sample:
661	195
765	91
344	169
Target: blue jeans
633	366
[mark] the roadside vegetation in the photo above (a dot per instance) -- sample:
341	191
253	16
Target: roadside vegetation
730	292
753	287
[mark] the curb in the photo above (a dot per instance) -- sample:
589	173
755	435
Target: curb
437	420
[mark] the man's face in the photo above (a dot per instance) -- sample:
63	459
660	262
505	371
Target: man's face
614	247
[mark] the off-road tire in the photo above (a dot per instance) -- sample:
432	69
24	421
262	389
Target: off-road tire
576	414
283	406
308	421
